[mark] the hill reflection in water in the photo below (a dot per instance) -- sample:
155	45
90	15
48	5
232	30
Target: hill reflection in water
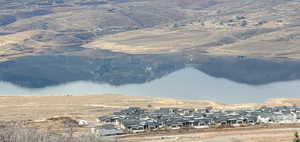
187	83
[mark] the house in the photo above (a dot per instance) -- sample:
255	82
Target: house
165	111
284	117
298	116
252	120
132	111
106	130
151	125
133	126
264	119
136	120
83	123
201	123
175	124
220	121
204	110
108	119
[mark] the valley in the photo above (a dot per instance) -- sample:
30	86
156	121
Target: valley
66	61
95	39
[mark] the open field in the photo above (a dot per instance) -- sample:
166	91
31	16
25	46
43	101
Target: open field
89	107
85	107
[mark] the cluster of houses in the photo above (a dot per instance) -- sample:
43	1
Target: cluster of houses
135	119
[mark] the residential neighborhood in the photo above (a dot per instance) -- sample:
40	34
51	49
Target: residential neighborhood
137	120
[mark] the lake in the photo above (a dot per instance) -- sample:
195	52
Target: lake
187	83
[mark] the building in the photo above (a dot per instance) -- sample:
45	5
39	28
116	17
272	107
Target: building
137	120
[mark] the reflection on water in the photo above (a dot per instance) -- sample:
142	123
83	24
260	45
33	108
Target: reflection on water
187	83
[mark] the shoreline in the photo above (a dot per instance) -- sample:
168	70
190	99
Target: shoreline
269	101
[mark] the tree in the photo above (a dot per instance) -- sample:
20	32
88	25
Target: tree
244	23
296	139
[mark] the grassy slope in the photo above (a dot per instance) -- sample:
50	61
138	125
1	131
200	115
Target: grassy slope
91	106
274	35
264	28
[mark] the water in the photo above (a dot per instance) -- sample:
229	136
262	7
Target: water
187	83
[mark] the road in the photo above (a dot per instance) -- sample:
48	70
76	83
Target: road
253	135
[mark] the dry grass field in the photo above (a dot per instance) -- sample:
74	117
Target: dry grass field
50	113
89	107
259	28
212	39
84	107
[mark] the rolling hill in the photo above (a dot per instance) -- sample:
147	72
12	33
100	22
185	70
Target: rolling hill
258	28
38	38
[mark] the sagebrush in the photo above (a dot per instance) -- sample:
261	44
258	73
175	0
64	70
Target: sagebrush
14	133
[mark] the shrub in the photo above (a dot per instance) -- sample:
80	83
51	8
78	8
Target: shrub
296	139
10	132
